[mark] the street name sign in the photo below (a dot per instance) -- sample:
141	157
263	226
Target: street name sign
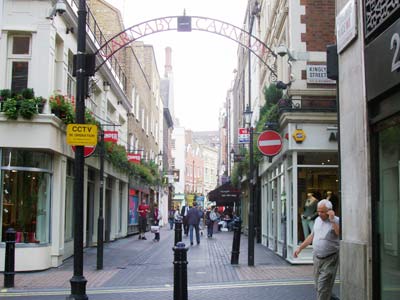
82	135
243	135
269	143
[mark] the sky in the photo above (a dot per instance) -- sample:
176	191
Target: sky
202	63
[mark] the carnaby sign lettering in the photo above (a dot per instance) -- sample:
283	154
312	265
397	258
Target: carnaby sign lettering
133	33
134	157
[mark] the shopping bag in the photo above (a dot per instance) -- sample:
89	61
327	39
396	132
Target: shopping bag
155	228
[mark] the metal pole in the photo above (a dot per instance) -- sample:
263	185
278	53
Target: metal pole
251	208
9	262
178	231
237	228
78	281
180	272
100	220
250	260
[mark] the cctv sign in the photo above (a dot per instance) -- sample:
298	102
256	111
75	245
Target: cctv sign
81	135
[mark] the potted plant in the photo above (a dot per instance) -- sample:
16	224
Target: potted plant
10	108
62	107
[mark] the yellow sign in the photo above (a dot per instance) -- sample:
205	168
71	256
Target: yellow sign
299	135
81	135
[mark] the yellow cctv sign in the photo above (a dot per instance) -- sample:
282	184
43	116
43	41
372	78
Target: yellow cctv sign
81	135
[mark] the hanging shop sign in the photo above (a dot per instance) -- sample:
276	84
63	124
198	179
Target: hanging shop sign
243	135
299	135
269	143
175	173
134	157
82	134
111	136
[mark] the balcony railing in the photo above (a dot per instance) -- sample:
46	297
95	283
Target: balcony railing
99	39
307	104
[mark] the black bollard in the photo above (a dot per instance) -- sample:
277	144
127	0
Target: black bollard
9	264
178	231
237	228
180	271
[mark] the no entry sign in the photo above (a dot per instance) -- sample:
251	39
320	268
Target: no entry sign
87	150
269	143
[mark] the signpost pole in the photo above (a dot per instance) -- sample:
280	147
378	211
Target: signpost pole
100	220
78	281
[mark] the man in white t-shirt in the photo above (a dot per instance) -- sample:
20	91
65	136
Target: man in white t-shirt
325	240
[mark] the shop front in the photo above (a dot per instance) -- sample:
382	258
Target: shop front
297	177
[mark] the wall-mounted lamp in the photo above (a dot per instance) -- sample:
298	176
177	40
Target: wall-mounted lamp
106	86
69	30
59	8
282	86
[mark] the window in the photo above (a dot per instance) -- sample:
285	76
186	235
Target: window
19	56
25	195
71	82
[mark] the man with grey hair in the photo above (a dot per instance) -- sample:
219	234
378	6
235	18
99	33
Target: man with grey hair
325	240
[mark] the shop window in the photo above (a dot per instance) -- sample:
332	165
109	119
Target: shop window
389	212
26	195
317	158
320	183
69	202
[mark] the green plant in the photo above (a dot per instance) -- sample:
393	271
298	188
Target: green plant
10	108
63	108
27	108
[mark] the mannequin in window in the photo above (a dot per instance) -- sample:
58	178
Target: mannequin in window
332	197
309	214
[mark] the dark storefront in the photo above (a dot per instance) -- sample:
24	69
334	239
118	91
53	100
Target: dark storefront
383	95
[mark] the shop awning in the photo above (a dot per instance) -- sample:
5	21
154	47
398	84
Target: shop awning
225	195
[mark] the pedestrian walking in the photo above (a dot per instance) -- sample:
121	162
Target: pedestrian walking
157	216
171	218
143	210
184	212
213	216
177	215
193	218
325	240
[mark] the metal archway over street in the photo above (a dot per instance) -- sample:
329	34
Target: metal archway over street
185	24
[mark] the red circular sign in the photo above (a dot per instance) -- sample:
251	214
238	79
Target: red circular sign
87	150
269	143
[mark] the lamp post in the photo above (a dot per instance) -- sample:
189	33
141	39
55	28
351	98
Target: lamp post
78	281
231	160
250	259
100	220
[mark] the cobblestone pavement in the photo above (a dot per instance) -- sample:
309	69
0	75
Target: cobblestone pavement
135	268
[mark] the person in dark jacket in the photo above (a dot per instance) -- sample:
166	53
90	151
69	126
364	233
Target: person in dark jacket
193	218
184	212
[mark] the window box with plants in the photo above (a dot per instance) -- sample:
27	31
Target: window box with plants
23	104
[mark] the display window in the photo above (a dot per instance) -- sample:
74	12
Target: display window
388	214
317	179
25	195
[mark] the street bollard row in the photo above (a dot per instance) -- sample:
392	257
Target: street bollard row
180	271
9	263
237	226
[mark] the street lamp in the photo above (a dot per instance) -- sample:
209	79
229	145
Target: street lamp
232	159
247	117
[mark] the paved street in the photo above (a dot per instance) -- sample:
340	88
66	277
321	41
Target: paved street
136	269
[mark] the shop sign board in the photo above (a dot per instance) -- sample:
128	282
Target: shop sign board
382	62
134	157
111	136
243	135
269	143
82	135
